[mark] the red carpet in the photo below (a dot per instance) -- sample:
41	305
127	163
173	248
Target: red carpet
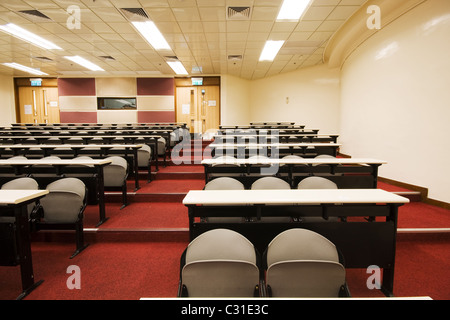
142	215
421	215
109	271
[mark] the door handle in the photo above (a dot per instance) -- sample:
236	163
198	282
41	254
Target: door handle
45	103
34	103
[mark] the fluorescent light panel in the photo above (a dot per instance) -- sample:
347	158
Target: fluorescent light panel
270	50
25	69
292	10
177	66
84	63
152	34
28	36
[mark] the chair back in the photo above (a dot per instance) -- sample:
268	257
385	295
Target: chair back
220	263
267	183
224	183
303	263
316	183
115	173
24	183
65	201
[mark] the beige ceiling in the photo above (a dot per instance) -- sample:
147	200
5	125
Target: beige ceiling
198	31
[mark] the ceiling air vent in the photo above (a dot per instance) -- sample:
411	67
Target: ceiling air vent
135	14
171	58
239	13
34	16
43	59
235	57
107	58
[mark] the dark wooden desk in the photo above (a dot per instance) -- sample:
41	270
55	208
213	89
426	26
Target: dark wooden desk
79	149
354	173
60	167
362	242
18	200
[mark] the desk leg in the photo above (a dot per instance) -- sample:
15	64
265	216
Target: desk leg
101	195
24	251
375	175
136	169
191	222
388	273
206	173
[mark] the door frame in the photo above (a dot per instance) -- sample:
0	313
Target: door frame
26	82
207	81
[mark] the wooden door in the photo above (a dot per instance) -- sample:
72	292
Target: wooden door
39	105
199	107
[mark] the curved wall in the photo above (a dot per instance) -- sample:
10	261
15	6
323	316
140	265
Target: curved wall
395	99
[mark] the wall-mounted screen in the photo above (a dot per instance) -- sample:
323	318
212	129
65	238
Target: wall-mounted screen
116	104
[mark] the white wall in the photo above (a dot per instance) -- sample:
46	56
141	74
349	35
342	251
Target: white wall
313	93
8	113
235	101
395	99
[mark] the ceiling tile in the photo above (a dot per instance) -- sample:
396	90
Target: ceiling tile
198	31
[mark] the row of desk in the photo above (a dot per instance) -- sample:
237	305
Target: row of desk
94	168
362	243
345	172
358	218
16	228
101	150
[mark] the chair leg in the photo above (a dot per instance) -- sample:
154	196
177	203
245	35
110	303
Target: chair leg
124	195
79	234
149	172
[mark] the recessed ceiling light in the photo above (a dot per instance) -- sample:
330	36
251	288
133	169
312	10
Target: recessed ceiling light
292	10
25	69
85	63
28	36
152	34
270	50
178	67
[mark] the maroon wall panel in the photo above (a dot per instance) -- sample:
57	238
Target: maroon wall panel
155	86
76	87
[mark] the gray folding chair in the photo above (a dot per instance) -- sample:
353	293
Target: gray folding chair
316	183
144	158
272	183
224	183
115	176
219	263
162	149
63	208
302	263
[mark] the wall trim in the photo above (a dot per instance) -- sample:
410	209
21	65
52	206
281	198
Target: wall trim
423	192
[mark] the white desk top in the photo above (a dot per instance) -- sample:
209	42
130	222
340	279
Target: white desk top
293	161
46	136
291	197
79	146
273	145
250	134
19	196
30	162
